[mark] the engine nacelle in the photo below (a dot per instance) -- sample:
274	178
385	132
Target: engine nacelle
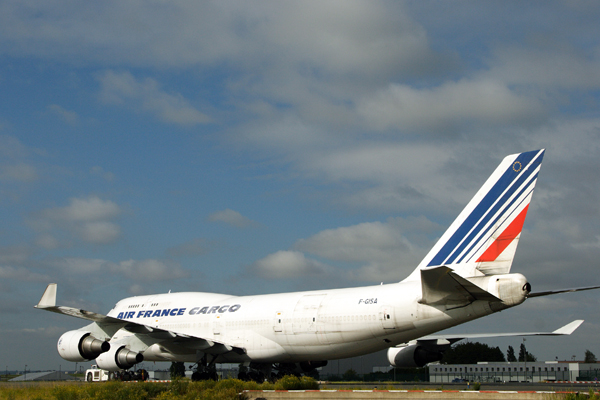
118	358
414	356
77	346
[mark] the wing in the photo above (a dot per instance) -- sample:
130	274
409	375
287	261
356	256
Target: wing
48	303
168	337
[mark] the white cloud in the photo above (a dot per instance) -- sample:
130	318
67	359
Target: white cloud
146	95
362	242
50	332
231	217
90	209
99	171
79	266
70	117
15	254
338	36
386	251
287	264
194	247
452	104
347	37
11	147
19	172
88	219
137	289
316	56
556	66
99	232
48	242
386	174
21	274
372	252
150	270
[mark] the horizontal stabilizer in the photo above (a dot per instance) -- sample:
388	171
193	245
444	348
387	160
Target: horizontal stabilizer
453	338
549	292
569	328
441	285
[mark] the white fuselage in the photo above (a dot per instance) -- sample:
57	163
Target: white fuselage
291	327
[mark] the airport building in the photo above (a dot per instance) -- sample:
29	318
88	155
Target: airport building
514	372
45	376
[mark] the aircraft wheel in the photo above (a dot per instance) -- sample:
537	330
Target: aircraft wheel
256	376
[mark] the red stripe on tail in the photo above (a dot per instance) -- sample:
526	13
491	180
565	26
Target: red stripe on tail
505	238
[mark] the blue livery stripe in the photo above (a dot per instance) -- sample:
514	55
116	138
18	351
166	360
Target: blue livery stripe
480	243
495	212
506	180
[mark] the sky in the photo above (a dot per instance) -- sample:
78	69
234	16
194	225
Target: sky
261	147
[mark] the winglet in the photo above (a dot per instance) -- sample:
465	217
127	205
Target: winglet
568	328
48	298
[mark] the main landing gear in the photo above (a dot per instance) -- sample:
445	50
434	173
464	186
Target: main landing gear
205	370
139	375
259	372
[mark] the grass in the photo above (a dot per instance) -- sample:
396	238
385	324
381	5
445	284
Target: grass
227	389
179	389
590	395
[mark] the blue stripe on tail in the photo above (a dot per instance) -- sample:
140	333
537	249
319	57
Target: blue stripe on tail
513	177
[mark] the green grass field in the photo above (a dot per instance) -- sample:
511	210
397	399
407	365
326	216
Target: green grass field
179	389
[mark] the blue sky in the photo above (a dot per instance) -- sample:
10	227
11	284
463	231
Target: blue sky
259	147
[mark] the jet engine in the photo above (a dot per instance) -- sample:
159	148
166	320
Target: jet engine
412	356
77	346
118	358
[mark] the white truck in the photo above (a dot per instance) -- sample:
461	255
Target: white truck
95	374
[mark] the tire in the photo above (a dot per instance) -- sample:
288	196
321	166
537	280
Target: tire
144	375
89	377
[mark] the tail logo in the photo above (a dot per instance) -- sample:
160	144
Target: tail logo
517	166
493	220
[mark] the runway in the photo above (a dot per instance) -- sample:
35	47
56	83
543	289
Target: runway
419	391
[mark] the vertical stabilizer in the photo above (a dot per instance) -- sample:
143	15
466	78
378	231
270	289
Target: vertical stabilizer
484	237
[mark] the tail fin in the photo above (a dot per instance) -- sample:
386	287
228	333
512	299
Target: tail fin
484	237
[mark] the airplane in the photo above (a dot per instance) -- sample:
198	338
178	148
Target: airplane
465	276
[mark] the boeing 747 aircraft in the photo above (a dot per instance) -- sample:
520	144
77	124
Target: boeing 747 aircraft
465	276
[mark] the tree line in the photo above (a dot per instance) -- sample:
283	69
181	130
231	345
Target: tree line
473	352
